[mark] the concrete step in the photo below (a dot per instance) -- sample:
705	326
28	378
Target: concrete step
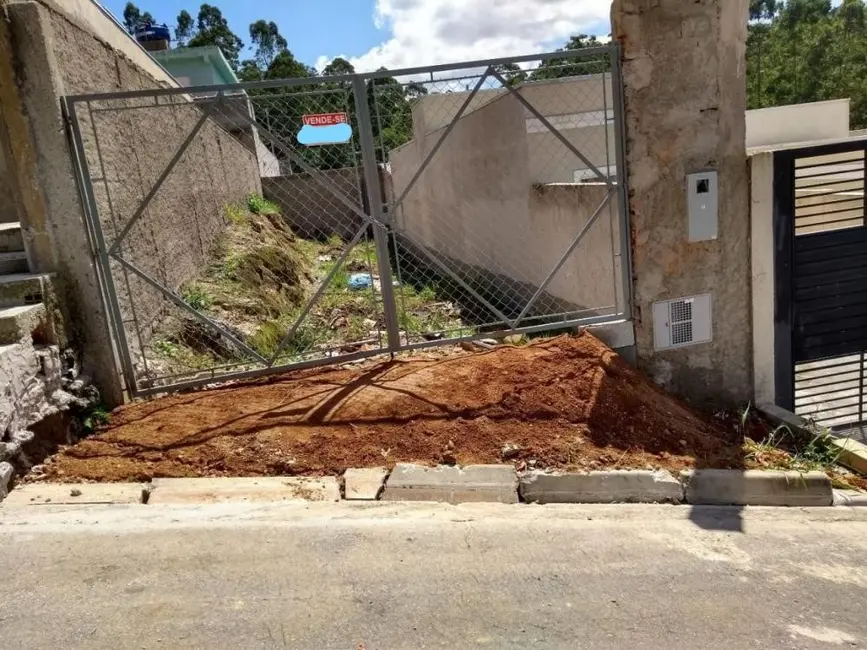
11	239
18	323
13	263
23	288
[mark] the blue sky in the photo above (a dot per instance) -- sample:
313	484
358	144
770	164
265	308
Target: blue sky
403	33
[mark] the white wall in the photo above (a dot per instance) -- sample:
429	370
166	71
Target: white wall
798	123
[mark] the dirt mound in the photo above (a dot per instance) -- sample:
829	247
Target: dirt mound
568	403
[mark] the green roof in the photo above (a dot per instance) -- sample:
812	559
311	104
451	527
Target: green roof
209	54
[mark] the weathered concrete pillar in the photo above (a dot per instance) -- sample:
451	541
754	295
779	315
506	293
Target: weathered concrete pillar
49	208
685	93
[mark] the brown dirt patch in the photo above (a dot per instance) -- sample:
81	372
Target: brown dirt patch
568	403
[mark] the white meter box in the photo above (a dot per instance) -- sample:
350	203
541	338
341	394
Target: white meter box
682	322
702	201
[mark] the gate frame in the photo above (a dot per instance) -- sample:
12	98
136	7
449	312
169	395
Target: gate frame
784	203
376	219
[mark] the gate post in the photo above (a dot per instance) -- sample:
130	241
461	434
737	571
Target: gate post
374	195
684	83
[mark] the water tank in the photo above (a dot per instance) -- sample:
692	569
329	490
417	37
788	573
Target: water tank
153	37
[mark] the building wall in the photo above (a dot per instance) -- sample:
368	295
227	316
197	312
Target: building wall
69	49
685	95
798	123
478	204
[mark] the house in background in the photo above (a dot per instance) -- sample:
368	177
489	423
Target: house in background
196	66
206	66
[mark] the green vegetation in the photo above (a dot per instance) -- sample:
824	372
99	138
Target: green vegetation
260	205
805	51
197	297
95	417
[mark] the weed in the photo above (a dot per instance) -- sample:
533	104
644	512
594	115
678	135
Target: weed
269	335
236	214
167	349
259	205
197	298
94	417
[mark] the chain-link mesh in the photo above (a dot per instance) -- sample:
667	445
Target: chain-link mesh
242	230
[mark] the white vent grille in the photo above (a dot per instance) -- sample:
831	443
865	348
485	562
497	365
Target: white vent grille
682	321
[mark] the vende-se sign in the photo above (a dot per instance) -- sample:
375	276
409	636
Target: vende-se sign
325	119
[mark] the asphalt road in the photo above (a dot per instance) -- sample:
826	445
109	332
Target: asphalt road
412	576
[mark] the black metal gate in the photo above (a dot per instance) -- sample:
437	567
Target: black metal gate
821	282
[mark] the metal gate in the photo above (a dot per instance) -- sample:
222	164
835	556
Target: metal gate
251	228
821	282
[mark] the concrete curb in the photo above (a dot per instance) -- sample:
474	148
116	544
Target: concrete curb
615	486
364	484
36	494
852	498
473	483
852	454
718	487
225	490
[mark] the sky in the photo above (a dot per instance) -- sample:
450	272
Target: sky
403	33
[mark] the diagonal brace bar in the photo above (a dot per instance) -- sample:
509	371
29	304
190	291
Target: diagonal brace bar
563	259
168	170
316	296
439	143
183	305
454	276
553	129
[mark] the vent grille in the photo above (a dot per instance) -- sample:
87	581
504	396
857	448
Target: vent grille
681	333
682	321
829	192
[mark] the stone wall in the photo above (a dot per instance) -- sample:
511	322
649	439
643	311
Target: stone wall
685	94
57	49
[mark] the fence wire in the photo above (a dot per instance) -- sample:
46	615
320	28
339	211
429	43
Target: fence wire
258	227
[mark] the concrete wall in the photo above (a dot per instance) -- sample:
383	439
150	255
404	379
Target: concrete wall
798	123
685	94
69	48
577	107
478	204
310	208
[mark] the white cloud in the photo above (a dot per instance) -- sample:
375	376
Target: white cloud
442	31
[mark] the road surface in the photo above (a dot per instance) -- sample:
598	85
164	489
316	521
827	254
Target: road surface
414	576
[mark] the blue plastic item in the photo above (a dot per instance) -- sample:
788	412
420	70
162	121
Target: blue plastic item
358	281
151	32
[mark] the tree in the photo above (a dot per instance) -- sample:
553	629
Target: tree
806	51
184	28
337	67
268	41
213	29
133	17
569	66
512	73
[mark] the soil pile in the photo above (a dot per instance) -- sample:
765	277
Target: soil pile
568	403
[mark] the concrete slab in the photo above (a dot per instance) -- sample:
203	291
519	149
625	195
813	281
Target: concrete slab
364	484
853	454
473	483
220	490
757	488
616	486
36	494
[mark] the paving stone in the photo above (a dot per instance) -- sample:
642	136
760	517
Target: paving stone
364	484
473	483
34	494
615	486
757	488
219	490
